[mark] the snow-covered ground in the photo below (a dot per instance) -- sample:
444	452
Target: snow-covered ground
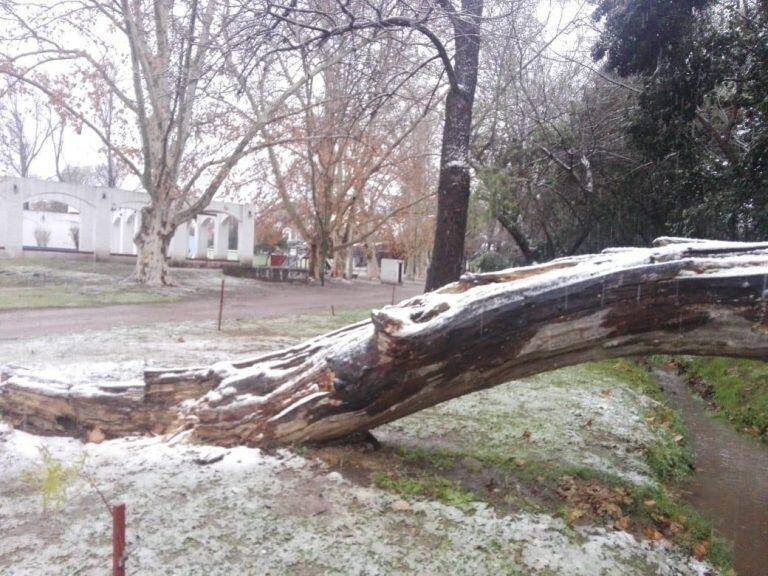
253	513
280	513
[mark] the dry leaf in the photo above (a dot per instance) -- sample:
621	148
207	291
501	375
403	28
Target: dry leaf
400	506
96	435
700	550
653	534
623	523
573	514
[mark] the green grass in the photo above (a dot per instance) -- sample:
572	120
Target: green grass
667	457
738	388
308	325
70	296
695	528
430	485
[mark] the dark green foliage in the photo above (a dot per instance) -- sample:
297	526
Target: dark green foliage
702	119
640	35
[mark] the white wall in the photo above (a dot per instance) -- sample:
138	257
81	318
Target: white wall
57	223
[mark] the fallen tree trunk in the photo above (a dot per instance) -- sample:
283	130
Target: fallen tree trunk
679	297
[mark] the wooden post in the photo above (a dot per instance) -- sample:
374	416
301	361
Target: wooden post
118	540
393	293
221	303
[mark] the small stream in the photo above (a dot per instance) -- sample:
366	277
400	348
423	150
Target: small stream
730	486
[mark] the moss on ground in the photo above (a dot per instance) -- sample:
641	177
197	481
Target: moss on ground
737	389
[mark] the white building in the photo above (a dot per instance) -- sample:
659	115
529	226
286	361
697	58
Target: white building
108	219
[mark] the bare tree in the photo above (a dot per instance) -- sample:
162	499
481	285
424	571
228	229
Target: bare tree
183	106
452	33
333	163
24	130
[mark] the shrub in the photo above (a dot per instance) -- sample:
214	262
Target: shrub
74	234
42	236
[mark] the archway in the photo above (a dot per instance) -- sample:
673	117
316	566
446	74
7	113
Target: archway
51	223
679	297
203	235
225	238
125	225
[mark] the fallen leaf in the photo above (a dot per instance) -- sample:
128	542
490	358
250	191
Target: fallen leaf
613	510
675	528
400	506
649	503
526	436
573	514
653	534
96	435
678	439
607	392
623	523
700	550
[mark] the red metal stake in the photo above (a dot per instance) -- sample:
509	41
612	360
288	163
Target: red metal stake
118	540
221	303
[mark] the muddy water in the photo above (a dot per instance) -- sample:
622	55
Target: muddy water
731	482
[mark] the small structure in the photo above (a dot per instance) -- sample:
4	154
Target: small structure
391	271
107	220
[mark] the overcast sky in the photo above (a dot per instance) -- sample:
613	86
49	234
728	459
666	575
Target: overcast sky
83	149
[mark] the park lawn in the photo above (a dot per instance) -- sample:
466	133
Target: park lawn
72	296
738	389
59	283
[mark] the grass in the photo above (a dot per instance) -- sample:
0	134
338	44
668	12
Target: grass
460	476
432	486
737	388
667	456
71	296
58	283
655	506
307	325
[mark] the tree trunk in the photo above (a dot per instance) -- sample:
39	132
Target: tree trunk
518	236
152	243
454	181
314	260
695	298
372	261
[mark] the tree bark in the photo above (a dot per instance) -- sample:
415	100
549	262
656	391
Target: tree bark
454	181
697	297
152	242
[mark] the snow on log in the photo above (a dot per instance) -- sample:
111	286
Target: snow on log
680	296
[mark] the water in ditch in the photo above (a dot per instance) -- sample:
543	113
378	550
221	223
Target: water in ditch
730	486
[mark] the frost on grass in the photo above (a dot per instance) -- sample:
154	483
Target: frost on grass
250	513
575	417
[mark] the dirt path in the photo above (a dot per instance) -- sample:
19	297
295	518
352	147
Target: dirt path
264	301
731	482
